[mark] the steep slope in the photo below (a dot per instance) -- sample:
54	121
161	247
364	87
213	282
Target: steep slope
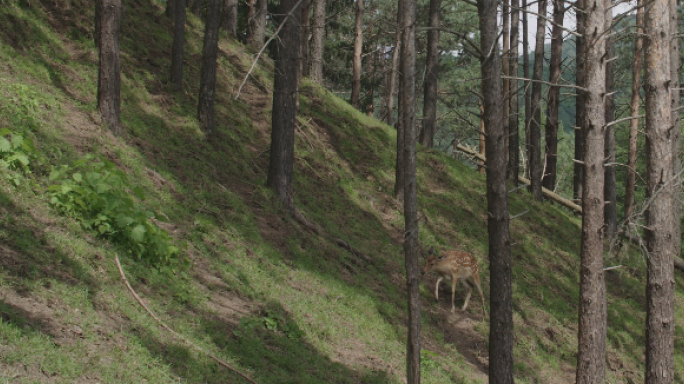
278	300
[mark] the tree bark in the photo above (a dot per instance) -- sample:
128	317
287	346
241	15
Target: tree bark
305	30
178	44
230	17
505	57
399	178
358	50
578	170
281	165
526	74
392	89
205	105
610	188
258	24
109	77
251	13
501	296
634	112
513	110
534	149
318	41
591	354
408	117
660	221
195	7
676	133
427	134
551	130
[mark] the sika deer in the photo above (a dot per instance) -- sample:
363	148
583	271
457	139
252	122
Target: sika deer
452	266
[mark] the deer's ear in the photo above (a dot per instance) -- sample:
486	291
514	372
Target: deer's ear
431	251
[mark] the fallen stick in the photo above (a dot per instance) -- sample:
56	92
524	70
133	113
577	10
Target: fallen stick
221	362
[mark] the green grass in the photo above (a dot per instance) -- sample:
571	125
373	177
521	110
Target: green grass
264	293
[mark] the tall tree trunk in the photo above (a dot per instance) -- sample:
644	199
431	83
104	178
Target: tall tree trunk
391	90
304	29
676	133
427	134
551	158
170	8
109	77
195	7
358	50
178	43
505	57
534	148
483	140
281	165
258	25
513	109
501	293
591	354
98	22
634	111
399	178
610	188
318	41
205	107
251	13
660	221
230	17
578	169
407	100
526	74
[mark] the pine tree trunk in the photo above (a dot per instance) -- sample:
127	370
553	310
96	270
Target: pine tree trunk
259	25
591	355
407	115
634	111
230	17
551	130
661	239
392	89
205	107
304	29
676	133
178	43
501	293
109	78
358	50
534	149
610	188
427	134
526	74
251	13
281	165
513	110
399	166
318	41
578	171
505	57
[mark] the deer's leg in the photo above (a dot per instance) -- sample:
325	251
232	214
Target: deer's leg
468	293
439	280
454	279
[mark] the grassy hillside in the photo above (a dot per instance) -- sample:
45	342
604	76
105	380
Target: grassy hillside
272	298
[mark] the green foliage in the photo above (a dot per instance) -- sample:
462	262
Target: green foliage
271	321
97	193
14	155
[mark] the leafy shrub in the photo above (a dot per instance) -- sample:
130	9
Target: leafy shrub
14	154
97	193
